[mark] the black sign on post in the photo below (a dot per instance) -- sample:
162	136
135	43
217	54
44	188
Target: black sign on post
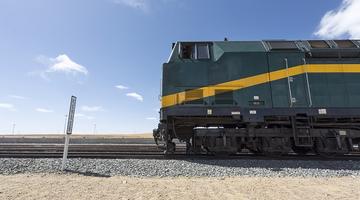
69	128
70	123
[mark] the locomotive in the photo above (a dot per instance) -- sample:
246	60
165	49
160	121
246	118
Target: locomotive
268	97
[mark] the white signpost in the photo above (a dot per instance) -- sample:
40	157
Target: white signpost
69	128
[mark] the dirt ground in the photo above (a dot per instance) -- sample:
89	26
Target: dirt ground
60	186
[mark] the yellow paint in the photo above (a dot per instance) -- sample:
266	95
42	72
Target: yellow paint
179	98
334	68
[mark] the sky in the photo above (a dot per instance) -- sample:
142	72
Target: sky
109	53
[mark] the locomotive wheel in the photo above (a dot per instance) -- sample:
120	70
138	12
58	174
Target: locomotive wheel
189	148
301	150
327	147
170	148
275	146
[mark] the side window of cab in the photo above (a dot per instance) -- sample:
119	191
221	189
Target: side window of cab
196	51
202	51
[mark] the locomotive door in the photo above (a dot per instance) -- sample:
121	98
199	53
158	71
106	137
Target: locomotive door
292	90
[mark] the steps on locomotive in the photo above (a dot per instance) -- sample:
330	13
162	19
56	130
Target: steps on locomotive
301	126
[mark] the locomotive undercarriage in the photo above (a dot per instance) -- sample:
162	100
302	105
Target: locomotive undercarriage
298	134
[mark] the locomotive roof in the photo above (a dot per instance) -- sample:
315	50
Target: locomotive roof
218	48
266	45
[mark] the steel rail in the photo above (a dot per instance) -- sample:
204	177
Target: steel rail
141	151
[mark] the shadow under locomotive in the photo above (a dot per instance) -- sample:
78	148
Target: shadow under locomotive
280	164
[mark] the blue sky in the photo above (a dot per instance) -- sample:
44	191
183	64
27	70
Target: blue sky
109	53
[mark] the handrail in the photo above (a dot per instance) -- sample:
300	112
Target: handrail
288	77
307	83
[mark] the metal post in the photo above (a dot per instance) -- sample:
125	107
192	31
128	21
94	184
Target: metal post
65	123
69	128
66	149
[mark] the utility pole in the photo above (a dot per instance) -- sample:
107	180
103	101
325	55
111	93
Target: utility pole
13	128
94	131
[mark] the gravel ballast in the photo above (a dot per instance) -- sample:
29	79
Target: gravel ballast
187	168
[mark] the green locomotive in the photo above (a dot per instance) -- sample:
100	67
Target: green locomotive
262	96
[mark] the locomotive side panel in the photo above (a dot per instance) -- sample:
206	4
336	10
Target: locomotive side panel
291	91
270	96
239	66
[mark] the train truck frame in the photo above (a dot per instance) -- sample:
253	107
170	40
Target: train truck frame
268	97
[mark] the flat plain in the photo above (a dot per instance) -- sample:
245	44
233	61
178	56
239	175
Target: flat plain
75	186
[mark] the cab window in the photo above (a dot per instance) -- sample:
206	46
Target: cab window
187	51
194	51
203	51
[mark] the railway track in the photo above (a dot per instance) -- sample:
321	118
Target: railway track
149	151
80	150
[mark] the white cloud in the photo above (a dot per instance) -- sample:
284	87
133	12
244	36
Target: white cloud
62	63
7	106
135	96
342	22
151	118
65	64
44	110
17	97
80	115
121	87
136	4
92	108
